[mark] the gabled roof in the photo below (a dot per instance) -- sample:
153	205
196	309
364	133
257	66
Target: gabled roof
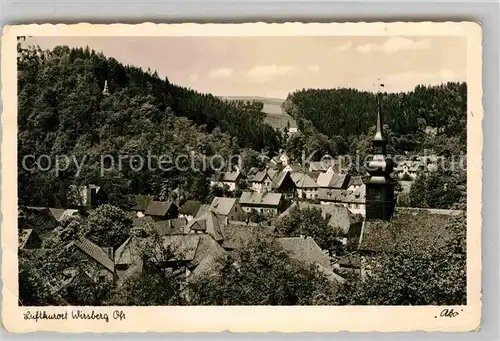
236	236
171	226
141	202
204	208
304	249
260	199
182	246
190	207
130	250
356	196
96	253
158	208
277	177
25	235
258	177
223	205
335	181
210	223
231	176
57	213
207	247
303	180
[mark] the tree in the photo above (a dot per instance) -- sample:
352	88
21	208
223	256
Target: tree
261	273
440	189
310	222
415	273
108	226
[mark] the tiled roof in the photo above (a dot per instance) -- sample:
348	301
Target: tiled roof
335	181
57	213
130	251
207	247
96	253
356	196
182	246
302	180
190	207
210	223
258	177
231	176
204	208
158	208
260	199
141	202
142	221
420	227
236	235
223	205
171	226
304	249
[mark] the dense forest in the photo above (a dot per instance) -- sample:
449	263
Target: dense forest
346	117
63	111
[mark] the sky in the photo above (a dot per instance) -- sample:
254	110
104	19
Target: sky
275	66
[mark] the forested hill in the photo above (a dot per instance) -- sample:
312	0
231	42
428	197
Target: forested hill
63	111
347	114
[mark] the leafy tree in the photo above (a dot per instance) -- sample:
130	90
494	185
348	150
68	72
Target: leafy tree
440	189
310	222
261	273
108	226
414	274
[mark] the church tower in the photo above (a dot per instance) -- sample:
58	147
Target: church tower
380	186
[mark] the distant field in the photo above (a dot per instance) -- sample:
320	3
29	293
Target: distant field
272	107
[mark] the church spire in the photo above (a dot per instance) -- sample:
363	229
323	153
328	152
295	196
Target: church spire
379	134
380	187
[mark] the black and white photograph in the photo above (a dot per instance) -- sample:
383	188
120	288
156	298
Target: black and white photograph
252	170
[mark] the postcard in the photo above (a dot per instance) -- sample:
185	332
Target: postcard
251	177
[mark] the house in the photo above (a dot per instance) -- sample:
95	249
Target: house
162	210
409	170
327	165
189	209
229	179
256	181
210	223
140	203
293	168
339	217
355	200
266	203
204	208
237	236
280	182
101	265
86	197
306	187
171	226
60	213
39	219
333	181
227	207
306	250
29	239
